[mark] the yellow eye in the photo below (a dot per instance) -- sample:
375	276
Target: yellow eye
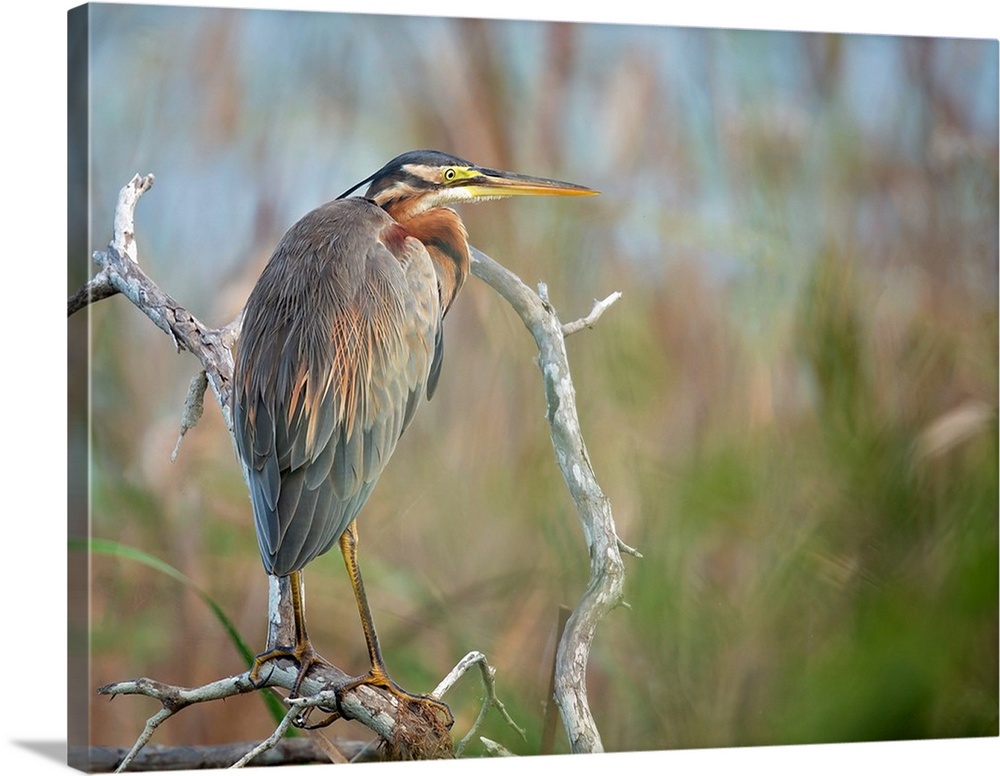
449	174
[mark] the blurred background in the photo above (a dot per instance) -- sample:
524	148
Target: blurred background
793	408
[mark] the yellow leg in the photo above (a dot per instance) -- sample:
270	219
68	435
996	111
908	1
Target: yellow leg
378	675
302	651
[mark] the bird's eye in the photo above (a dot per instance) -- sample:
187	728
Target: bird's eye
449	174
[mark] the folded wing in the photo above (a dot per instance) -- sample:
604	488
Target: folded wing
337	347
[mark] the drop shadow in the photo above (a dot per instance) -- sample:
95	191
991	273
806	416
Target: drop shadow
51	750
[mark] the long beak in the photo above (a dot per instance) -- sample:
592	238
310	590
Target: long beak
490	184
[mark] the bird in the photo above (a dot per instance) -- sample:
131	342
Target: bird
342	340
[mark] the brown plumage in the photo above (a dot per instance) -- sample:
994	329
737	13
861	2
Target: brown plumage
334	357
341	341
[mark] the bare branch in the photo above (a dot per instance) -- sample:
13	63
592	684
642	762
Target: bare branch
406	731
102	285
495	749
124	228
173	699
607	572
288	751
622	547
94	290
271	740
120	273
375	708
490	700
589	321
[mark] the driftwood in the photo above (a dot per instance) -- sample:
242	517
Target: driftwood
404	733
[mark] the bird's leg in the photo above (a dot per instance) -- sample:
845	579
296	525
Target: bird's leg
377	675
302	651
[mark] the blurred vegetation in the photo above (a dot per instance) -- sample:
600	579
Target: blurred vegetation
793	409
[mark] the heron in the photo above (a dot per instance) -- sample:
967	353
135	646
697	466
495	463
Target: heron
341	342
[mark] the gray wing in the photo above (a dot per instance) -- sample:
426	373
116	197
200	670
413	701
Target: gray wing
337	346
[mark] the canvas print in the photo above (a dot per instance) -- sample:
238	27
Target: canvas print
464	388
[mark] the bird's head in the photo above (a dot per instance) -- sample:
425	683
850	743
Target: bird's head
420	180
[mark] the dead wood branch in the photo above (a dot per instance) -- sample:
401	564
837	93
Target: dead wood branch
607	572
288	751
588	321
120	273
490	700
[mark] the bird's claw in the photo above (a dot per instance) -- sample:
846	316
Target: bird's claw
254	676
378	679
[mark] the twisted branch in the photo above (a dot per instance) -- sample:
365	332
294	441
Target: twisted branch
607	572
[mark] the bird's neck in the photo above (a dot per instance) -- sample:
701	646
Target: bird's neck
443	234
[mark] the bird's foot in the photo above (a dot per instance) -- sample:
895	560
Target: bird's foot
426	706
303	654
